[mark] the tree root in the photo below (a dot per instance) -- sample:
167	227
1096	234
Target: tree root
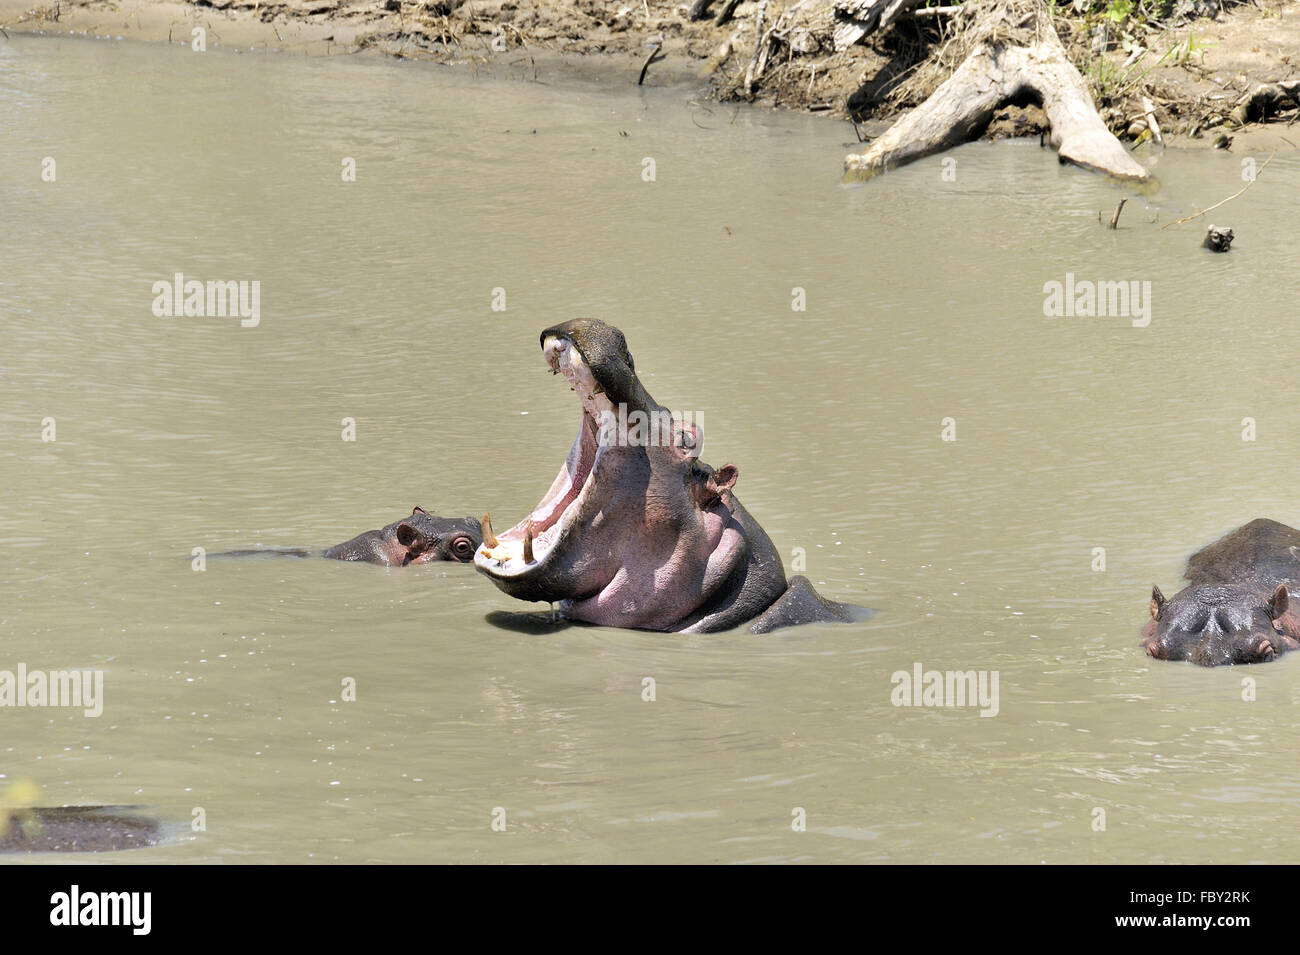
1005	65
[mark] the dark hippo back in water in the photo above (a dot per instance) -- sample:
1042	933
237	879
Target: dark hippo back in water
1238	607
77	829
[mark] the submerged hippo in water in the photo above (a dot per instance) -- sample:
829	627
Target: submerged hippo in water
1237	607
76	829
636	531
418	539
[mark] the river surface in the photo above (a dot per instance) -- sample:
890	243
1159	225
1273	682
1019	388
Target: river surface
224	689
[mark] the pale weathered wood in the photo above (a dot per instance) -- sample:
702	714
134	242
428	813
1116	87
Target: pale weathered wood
1114	220
854	19
995	72
1150	109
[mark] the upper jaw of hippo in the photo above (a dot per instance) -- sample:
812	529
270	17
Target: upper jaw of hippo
602	361
594	359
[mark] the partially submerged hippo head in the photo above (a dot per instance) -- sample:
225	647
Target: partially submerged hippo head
636	531
1239	606
418	539
1218	624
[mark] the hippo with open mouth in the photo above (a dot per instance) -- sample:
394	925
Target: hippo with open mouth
1237	607
636	531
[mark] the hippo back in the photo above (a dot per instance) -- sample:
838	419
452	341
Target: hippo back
1261	550
77	829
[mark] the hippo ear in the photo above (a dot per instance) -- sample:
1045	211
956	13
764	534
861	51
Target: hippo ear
410	538
1278	601
708	485
419	510
723	479
1157	601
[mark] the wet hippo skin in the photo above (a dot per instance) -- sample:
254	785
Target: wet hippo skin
418	539
76	829
636	531
1238	606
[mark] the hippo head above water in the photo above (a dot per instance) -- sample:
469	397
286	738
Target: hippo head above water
1217	624
636	531
1239	606
418	539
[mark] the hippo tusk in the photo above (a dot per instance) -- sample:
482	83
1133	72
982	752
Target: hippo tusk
485	526
528	543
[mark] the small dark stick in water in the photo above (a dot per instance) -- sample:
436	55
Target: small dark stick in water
1114	220
654	52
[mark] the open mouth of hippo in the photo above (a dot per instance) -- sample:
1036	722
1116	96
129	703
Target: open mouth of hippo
520	553
636	531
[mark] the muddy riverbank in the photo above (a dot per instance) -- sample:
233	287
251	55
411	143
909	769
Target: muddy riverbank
1194	65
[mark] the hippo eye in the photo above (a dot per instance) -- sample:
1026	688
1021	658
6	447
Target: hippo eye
463	546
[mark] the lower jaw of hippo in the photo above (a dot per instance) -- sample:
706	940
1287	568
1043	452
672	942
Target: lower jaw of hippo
517	559
518	562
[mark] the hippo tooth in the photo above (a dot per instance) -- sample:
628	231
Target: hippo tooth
486	527
528	543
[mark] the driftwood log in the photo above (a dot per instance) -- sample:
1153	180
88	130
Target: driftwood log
1014	60
854	19
1266	100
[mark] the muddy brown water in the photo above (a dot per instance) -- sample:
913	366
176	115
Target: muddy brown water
223	690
